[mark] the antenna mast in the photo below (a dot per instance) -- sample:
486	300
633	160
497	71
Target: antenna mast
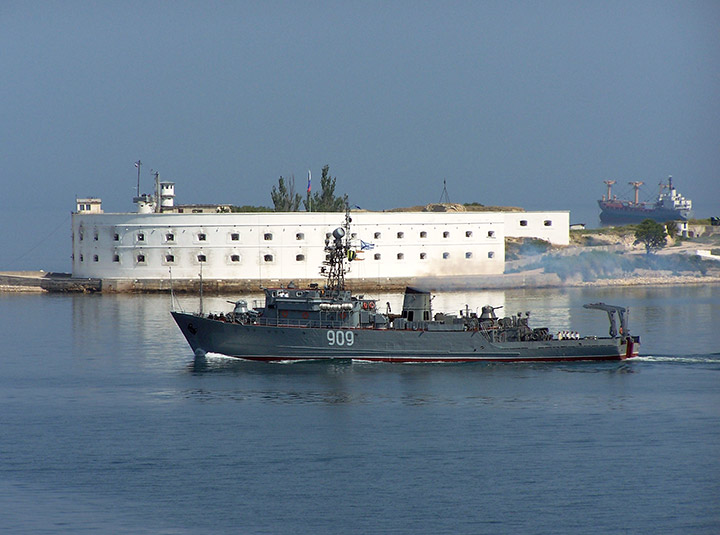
138	164
444	194
337	253
157	190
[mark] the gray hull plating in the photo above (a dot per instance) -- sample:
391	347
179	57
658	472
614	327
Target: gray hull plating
261	342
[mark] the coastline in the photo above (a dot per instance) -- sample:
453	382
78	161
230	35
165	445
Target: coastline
42	282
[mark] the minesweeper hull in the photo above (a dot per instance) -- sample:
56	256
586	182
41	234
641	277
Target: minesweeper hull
259	342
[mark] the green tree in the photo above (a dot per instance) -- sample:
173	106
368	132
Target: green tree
652	234
325	200
250	208
284	197
672	228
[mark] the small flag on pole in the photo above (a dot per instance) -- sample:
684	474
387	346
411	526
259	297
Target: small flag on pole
364	246
309	178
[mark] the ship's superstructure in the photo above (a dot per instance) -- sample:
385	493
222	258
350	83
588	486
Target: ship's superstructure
669	205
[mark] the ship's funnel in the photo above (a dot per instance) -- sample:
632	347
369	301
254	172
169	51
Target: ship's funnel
416	305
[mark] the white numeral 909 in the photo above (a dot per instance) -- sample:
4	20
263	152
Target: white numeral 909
340	338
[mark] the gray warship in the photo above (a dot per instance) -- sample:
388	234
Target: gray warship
318	323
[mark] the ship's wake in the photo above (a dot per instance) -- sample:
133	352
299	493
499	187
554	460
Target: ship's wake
713	358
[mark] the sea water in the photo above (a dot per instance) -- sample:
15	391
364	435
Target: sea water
108	425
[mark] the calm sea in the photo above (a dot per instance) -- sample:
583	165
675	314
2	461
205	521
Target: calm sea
107	425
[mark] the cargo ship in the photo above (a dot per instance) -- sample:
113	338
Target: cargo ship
669	206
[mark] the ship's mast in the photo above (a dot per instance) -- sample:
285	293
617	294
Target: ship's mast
609	185
636	185
337	252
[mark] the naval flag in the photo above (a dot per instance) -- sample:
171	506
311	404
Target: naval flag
364	246
309	178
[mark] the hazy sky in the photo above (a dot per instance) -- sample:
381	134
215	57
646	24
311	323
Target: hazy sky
530	104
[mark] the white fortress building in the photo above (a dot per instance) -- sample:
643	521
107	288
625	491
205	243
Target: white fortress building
144	250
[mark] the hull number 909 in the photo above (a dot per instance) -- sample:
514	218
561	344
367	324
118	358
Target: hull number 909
340	338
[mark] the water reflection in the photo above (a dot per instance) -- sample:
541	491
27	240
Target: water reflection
672	321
